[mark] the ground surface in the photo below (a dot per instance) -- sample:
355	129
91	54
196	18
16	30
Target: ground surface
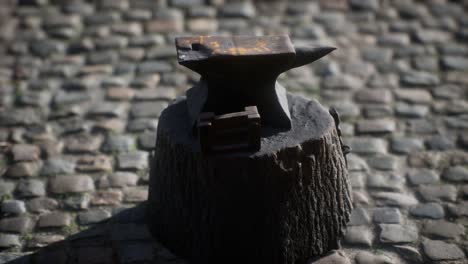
82	85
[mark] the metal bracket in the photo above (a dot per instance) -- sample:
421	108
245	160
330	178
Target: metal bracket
229	132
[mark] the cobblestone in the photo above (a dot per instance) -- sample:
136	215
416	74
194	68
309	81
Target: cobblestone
418	78
368	258
57	166
18	224
411	110
98	163
395	199
23	152
375	126
54	219
440	250
107	197
30	188
71	184
24	169
439	143
443	229
14	207
387	181
359	216
460	209
123	179
359	235
383	162
77	201
119	143
84	83
409	253
438	193
134	194
147	109
387	215
429	210
337	257
42	205
422	176
142	124
147	140
391	233
133	160
9	240
93	216
42	240
84	143
456	174
367	145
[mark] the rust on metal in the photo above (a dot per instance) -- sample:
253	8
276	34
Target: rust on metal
205	47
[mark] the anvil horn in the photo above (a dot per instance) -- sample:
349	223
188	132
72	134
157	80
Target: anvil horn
306	55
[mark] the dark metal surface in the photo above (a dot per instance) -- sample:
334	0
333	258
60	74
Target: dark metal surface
229	132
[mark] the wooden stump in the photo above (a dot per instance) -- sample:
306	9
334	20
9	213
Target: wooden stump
283	204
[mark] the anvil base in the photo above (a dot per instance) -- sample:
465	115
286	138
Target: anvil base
283	204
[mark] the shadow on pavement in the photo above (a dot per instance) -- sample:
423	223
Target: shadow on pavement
122	238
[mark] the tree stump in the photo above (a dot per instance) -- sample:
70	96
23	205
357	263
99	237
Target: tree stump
286	203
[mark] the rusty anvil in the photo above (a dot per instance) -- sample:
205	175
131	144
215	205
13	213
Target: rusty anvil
241	71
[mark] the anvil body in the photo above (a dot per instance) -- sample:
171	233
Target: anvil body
241	71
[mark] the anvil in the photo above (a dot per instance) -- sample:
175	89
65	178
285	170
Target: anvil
240	71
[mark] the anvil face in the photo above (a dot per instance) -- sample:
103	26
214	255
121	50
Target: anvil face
240	71
205	53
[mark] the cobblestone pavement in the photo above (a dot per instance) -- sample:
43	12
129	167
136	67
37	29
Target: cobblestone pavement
82	85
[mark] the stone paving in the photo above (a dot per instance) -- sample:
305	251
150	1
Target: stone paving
82	84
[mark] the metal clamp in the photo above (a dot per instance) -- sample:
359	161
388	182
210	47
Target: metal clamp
229	132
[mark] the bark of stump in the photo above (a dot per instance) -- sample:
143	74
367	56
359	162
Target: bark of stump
281	205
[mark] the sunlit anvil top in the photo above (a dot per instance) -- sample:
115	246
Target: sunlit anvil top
205	47
239	71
